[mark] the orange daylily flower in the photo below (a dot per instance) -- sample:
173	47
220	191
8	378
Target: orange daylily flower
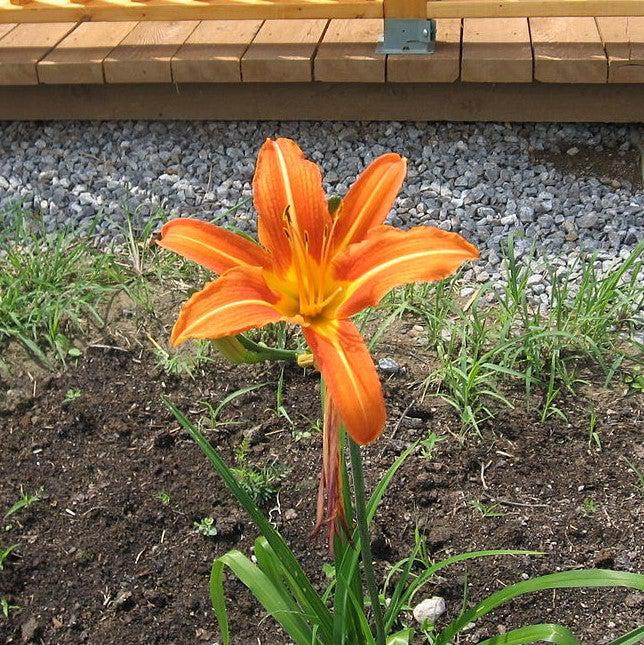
314	268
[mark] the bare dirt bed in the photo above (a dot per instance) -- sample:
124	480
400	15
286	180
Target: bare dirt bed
102	560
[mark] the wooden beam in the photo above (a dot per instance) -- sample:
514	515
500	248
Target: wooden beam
22	47
328	101
145	53
347	53
405	9
168	10
78	58
624	44
213	51
568	50
496	50
282	52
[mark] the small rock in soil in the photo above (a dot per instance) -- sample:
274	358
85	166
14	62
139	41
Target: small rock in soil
389	366
124	601
430	609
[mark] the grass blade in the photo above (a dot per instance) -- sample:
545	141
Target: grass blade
636	636
534	634
590	578
314	605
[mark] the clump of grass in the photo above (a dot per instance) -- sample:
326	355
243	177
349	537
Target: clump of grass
24	501
181	362
260	483
52	287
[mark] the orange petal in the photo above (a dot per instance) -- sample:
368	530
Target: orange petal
369	199
238	301
211	246
285	179
390	257
350	376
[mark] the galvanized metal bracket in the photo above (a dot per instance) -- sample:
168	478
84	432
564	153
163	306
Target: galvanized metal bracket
408	37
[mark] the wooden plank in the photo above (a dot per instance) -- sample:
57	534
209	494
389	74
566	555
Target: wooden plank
623	103
145	53
496	50
213	51
22	47
568	50
347	53
170	10
6	28
405	9
441	66
78	58
624	44
283	51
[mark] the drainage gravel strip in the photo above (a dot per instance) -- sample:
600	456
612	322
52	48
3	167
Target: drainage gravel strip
567	189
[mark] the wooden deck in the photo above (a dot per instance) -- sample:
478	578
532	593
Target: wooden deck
563	69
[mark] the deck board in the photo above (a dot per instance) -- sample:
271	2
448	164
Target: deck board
145	54
443	65
624	44
496	50
347	53
283	51
568	50
213	52
23	46
78	58
6	28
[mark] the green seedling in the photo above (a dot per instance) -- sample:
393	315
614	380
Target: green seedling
487	510
6	607
5	553
25	501
589	506
593	435
213	415
260	483
71	395
206	527
182	362
639	474
164	497
428	446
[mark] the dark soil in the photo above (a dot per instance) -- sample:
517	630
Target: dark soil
102	560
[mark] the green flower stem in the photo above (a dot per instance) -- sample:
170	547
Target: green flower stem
267	353
365	541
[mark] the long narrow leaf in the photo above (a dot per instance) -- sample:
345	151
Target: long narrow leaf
590	578
263	589
534	634
636	636
314	604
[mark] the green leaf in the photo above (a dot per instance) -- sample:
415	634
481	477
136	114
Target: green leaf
401	638
589	578
636	636
313	603
534	634
268	594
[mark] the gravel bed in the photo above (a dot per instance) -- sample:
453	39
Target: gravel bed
566	188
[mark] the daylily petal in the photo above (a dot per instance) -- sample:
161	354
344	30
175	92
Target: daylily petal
390	257
211	246
350	376
238	301
369	199
283	180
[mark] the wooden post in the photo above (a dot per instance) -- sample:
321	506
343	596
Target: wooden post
405	9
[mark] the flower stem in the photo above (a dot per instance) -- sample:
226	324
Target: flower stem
365	541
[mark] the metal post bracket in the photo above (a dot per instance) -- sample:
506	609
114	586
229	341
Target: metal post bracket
415	36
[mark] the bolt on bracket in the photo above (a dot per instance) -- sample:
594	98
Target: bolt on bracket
408	36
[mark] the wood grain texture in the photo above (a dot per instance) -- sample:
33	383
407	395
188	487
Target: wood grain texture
622	103
171	10
405	9
78	58
441	66
23	46
496	50
624	44
568	50
347	53
283	51
213	51
6	28
145	53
